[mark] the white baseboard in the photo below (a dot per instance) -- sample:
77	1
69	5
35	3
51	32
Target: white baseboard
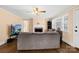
72	43
77	46
69	42
76	43
3	42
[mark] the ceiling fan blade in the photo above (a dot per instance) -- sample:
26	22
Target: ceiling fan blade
43	11
36	9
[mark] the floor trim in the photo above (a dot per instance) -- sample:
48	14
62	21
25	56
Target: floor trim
3	42
68	42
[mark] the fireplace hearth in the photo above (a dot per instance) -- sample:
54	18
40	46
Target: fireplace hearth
38	30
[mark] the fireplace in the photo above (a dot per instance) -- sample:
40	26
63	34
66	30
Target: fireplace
38	30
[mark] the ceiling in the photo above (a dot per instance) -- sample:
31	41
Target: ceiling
25	11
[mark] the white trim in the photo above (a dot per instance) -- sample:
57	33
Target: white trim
3	42
76	44
69	42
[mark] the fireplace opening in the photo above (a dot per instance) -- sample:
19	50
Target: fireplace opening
38	29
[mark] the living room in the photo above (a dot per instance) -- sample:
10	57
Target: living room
40	28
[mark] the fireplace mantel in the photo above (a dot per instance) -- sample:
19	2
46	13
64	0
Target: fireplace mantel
40	23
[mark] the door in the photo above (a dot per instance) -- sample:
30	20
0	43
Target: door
76	28
26	26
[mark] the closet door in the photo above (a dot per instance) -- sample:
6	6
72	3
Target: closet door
76	28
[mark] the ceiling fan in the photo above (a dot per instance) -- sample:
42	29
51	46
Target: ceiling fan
38	11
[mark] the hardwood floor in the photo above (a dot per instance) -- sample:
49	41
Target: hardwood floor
11	47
